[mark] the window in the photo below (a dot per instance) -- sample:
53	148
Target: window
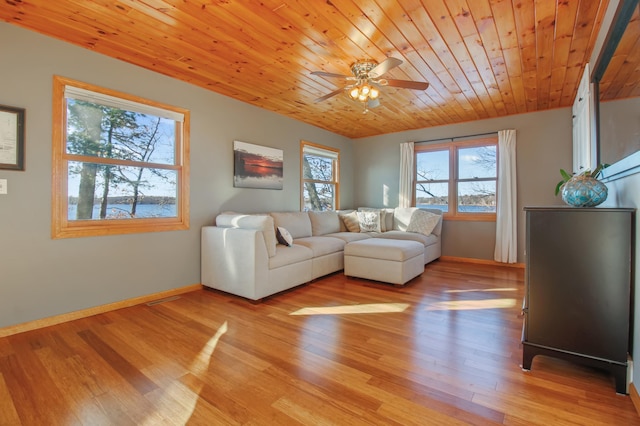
583	126
120	163
319	170
460	178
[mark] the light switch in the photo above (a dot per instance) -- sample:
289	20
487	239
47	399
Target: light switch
3	186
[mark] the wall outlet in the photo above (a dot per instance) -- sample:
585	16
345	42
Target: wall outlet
3	186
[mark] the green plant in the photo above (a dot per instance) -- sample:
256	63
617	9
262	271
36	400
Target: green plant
587	173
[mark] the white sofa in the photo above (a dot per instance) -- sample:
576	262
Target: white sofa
241	254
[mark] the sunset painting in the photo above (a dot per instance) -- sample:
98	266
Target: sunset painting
257	166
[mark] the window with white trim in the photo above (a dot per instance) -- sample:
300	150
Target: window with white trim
120	163
583	126
460	178
319	177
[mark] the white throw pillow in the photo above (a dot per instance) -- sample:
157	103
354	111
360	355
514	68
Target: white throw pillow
284	237
402	217
383	217
369	221
423	222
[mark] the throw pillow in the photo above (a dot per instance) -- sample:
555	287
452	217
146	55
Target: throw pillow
402	217
284	237
343	227
383	217
388	219
423	222
383	221
351	221
369	221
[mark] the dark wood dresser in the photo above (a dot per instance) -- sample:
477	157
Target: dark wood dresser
578	279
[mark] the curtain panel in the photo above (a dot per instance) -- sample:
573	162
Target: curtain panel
506	250
406	174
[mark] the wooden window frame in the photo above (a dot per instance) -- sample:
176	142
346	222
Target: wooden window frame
453	148
61	226
335	175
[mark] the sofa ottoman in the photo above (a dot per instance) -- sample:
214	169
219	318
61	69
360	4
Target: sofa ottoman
390	261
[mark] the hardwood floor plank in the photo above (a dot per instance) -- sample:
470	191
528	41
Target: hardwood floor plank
453	406
120	399
5	348
27	375
17	386
444	349
182	403
409	413
8	413
118	413
70	382
119	363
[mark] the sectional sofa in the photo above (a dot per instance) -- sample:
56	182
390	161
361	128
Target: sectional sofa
258	255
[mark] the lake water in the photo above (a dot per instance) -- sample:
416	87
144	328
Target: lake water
463	209
115	211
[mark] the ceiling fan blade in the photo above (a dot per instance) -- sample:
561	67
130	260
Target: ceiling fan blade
384	66
406	84
373	103
330	74
328	95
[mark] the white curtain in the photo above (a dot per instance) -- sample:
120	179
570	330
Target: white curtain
506	250
406	174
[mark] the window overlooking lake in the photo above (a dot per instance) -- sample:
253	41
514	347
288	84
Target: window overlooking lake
459	178
120	163
319	173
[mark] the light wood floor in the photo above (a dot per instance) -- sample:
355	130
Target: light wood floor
443	350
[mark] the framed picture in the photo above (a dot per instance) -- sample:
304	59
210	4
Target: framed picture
11	138
256	166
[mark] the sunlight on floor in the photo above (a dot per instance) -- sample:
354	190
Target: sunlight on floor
178	401
201	364
483	290
464	305
372	308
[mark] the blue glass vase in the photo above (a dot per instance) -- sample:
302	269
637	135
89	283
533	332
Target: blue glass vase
584	191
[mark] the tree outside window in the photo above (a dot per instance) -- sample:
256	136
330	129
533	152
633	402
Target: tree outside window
120	163
459	178
320	181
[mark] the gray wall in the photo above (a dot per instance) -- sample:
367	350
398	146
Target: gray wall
543	147
625	192
41	277
619	129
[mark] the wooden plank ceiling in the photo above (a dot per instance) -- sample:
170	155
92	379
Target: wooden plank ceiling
482	58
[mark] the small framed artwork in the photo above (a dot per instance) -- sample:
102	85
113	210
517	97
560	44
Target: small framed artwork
11	138
256	166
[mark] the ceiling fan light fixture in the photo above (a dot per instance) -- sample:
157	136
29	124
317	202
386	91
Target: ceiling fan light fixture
367	81
364	92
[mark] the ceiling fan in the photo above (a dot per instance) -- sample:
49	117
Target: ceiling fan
367	82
